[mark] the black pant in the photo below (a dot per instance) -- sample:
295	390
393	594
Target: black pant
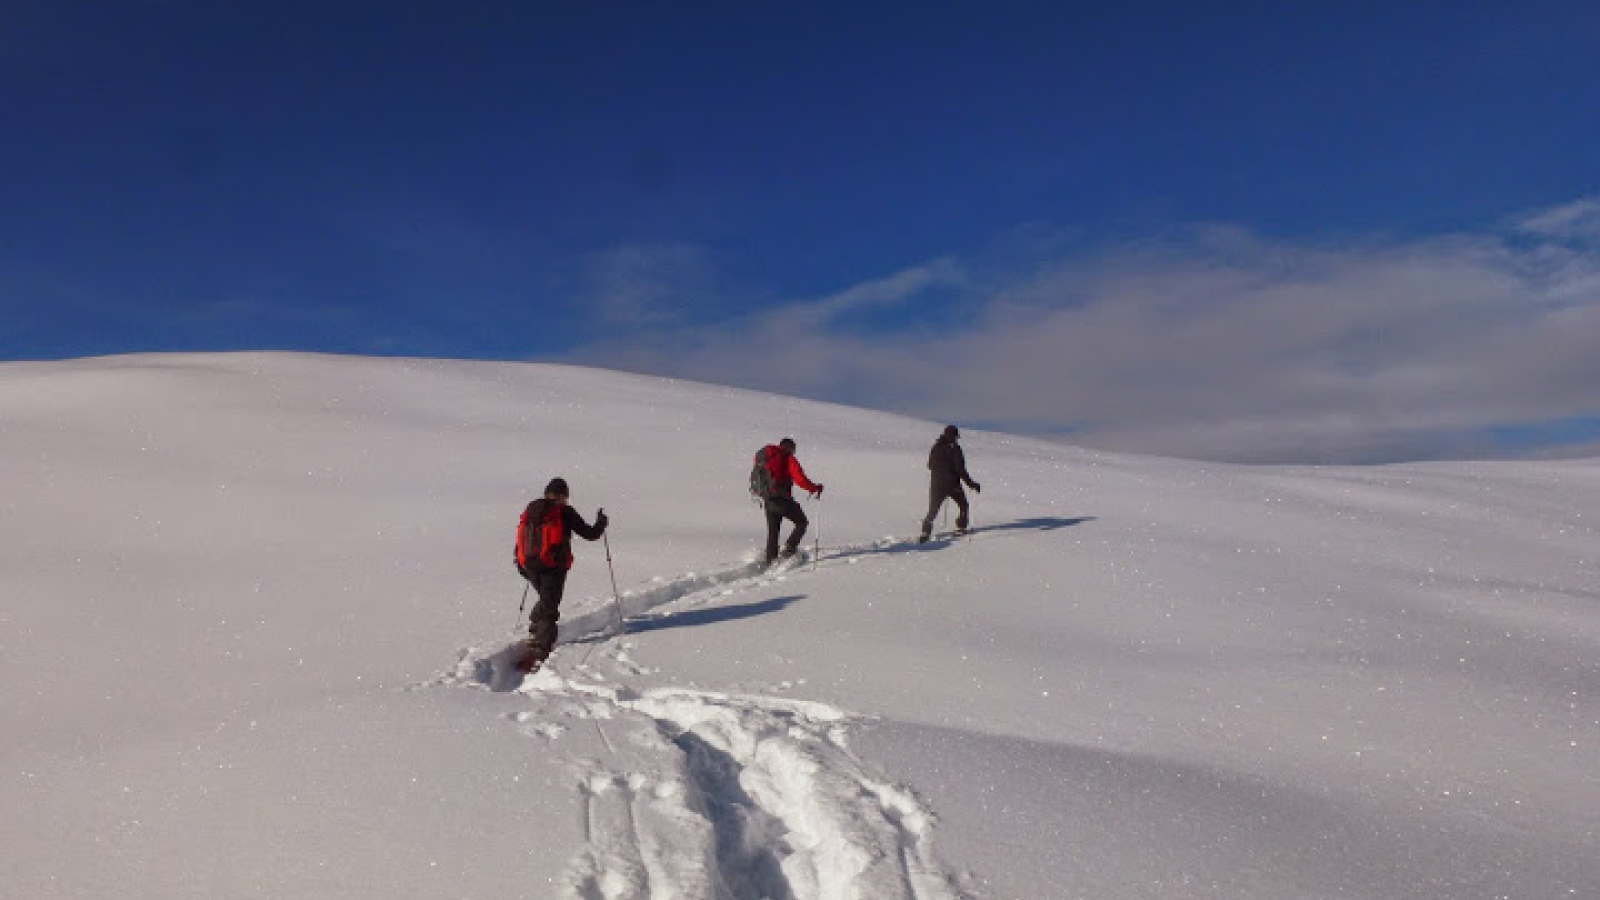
939	493
549	584
778	509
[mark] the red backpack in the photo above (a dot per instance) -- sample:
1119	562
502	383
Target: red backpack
770	471
542	536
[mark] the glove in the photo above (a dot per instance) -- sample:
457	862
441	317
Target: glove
600	519
818	492
977	488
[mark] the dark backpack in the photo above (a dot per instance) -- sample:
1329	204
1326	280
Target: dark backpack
761	481
542	538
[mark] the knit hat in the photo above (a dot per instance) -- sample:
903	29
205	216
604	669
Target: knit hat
557	486
951	432
787	444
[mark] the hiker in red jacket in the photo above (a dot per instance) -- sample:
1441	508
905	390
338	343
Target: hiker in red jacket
783	472
544	554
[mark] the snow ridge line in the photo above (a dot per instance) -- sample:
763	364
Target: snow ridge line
760	797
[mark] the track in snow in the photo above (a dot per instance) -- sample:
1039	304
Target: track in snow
632	608
489	666
710	795
717	796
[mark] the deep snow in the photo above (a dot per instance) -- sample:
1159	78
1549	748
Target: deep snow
252	604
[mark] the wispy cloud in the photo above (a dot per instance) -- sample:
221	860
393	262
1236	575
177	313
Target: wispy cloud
1219	344
1579	220
649	284
895	290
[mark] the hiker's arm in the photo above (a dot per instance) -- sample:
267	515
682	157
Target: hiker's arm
961	469
799	476
583	529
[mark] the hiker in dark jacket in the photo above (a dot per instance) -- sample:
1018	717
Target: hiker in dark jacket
785	472
948	468
548	557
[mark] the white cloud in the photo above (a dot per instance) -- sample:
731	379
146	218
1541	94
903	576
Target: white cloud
1221	345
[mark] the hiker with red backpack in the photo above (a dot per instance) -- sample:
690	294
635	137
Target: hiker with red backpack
772	482
543	556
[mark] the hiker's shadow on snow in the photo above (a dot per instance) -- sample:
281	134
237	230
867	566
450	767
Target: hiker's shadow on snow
713	616
1038	523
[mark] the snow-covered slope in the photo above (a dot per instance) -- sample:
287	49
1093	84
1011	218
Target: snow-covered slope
252	605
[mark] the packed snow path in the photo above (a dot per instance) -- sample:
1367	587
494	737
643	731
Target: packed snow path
708	795
713	795
632	611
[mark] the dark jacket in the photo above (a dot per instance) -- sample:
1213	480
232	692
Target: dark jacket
948	465
572	523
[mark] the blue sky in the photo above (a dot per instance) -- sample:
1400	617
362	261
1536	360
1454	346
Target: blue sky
948	210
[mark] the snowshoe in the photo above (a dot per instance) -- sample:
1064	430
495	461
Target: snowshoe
788	559
525	657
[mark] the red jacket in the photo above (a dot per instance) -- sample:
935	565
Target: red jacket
786	473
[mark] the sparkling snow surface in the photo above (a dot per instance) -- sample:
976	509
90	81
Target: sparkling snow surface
253	606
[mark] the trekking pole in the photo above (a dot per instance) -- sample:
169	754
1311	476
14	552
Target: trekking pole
816	539
521	605
616	597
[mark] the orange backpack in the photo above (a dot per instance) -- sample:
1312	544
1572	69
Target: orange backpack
542	537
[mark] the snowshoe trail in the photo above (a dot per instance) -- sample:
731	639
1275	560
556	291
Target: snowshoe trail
604	618
495	665
721	796
703	587
701	794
